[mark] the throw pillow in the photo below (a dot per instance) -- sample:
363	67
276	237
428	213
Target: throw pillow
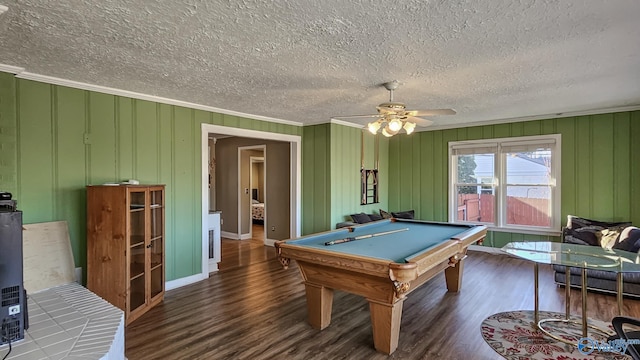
375	217
408	214
385	215
361	218
629	240
607	237
590	232
582	236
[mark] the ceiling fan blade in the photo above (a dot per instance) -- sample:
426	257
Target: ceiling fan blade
431	112
419	121
372	116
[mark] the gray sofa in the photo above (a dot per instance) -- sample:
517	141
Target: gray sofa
363	218
614	235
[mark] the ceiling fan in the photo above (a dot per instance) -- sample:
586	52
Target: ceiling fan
393	116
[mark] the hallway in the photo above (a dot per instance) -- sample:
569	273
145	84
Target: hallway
238	253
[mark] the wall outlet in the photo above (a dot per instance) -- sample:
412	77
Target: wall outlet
14	310
273	228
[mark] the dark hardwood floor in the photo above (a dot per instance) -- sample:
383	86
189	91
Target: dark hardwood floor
256	310
236	253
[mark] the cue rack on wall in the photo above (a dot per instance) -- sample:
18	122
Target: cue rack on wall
369	177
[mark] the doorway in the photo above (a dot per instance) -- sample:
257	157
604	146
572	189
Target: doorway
258	208
252	194
295	170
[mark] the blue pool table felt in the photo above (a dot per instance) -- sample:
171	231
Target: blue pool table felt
396	247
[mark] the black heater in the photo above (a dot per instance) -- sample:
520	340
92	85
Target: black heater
13	309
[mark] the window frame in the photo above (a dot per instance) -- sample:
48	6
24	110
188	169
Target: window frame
501	146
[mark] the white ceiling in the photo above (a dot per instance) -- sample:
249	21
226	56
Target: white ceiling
306	61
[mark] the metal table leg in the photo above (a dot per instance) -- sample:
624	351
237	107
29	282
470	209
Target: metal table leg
619	289
583	322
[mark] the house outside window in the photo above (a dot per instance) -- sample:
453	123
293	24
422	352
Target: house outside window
510	184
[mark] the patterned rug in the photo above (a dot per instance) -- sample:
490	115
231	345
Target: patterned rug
514	336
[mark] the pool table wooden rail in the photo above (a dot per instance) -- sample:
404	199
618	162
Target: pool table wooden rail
383	283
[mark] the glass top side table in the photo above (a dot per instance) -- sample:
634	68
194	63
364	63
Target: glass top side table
581	256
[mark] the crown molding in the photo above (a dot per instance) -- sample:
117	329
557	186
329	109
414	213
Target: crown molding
346	123
22	74
505	120
534	117
11	69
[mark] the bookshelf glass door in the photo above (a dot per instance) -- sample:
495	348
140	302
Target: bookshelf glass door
157	242
137	249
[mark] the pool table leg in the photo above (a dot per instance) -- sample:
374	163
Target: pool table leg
453	276
319	302
385	321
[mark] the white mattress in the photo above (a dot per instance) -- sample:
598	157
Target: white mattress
257	211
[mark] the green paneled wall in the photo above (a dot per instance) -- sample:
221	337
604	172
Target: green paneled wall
316	179
56	140
8	134
600	167
331	157
346	154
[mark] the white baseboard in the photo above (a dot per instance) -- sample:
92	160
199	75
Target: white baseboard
228	235
245	236
174	284
269	242
78	275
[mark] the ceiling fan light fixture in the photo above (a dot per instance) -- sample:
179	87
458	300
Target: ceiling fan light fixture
395	125
409	127
388	132
373	127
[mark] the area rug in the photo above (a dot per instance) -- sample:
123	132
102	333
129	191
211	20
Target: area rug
514	336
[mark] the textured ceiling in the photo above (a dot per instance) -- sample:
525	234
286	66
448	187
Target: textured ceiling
306	61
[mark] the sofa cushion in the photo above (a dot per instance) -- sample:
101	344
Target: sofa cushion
385	214
629	240
599	274
345	224
361	218
590	232
408	214
575	222
375	217
586	236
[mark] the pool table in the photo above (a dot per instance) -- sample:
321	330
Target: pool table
382	261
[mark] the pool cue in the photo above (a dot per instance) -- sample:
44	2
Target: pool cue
340	241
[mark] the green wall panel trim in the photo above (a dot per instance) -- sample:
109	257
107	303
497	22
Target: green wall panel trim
166	173
621	158
102	138
8	134
634	171
146	143
35	155
599	163
70	168
316	211
125	130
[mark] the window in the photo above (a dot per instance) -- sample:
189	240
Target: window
511	184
